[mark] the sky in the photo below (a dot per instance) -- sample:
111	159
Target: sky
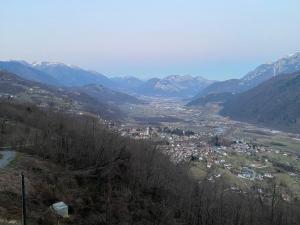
216	39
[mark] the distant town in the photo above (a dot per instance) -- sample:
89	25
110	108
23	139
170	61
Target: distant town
215	149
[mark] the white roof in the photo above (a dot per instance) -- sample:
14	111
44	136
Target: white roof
59	205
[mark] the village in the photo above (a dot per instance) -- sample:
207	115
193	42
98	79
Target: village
218	154
183	145
216	147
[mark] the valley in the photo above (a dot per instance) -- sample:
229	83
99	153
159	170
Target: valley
244	156
187	130
150	113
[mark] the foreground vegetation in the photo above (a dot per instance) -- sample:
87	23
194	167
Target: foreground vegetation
108	179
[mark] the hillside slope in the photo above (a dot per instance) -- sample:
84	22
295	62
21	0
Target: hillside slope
275	103
72	75
25	71
62	75
220	98
112	180
17	89
127	84
288	64
106	95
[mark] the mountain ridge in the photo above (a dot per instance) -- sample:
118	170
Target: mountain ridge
275	103
72	75
13	87
261	73
25	71
184	86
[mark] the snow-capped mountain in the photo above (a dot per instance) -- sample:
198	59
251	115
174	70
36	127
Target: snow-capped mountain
172	86
26	71
288	64
72	75
176	83
175	86
60	74
71	79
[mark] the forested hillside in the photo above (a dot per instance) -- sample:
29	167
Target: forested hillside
42	95
275	103
108	179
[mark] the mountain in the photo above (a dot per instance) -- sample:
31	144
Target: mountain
59	74
274	103
170	86
127	83
173	86
72	75
228	86
220	98
25	71
288	64
106	95
18	89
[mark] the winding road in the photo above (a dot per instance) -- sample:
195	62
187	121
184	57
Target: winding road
7	157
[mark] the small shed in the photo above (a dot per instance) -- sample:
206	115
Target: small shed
60	209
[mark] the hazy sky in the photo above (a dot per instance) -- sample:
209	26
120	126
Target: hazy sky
217	39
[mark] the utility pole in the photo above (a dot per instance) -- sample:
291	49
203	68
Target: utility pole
23	201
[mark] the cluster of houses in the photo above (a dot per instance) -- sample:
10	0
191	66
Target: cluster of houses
193	146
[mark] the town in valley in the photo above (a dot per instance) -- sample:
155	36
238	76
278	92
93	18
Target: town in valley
244	155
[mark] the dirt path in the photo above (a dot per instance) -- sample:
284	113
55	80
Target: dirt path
7	157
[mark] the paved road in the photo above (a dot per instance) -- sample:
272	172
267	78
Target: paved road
7	157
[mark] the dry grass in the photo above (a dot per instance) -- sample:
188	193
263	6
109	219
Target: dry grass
45	184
